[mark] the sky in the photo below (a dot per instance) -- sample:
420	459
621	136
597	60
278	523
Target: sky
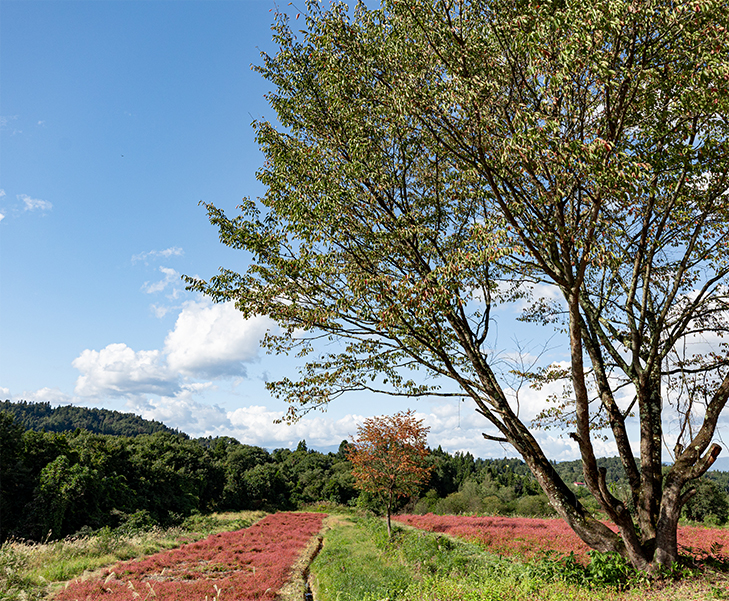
116	119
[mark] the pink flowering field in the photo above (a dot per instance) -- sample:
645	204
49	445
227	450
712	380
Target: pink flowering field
531	537
252	563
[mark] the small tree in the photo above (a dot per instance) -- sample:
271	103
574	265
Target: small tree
389	457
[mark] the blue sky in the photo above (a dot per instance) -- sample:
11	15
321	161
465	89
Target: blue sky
116	119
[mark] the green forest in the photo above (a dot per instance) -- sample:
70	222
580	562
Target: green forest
72	470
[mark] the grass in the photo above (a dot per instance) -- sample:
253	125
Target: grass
30	571
353	564
357	563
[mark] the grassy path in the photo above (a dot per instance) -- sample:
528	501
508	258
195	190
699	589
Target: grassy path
357	563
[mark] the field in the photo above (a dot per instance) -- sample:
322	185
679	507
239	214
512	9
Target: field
252	563
430	558
461	558
530	538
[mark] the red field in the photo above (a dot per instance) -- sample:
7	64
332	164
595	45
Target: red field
248	564
530	537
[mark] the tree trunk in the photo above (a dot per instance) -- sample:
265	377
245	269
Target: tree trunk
389	512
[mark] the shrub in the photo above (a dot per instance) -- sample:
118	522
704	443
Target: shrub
534	506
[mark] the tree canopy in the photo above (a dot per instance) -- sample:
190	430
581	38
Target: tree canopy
438	160
41	416
389	458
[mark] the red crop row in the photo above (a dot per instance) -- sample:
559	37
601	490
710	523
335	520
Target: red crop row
248	564
507	536
531	537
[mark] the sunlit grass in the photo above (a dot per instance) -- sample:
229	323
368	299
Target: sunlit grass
358	564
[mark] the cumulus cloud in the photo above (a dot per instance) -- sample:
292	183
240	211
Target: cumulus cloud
183	412
255	425
173	251
209	342
117	371
35	204
213	340
2	216
2	192
54	396
461	429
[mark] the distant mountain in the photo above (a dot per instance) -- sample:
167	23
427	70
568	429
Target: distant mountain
721	464
43	417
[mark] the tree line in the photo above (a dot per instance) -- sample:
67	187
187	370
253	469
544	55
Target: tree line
54	484
41	416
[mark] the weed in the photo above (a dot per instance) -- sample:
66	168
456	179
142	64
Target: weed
14	584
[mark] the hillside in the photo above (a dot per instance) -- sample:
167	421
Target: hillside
41	417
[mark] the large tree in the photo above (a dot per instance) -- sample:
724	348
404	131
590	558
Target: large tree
437	158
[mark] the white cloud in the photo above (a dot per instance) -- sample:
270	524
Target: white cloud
2	192
32	204
181	411
213	340
54	396
118	371
209	341
171	276
255	425
173	251
161	310
463	432
2	216
6	121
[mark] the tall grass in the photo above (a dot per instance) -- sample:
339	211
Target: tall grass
32	570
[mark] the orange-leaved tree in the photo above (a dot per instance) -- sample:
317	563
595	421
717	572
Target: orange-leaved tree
389	457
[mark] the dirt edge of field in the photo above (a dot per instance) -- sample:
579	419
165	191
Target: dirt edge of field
298	585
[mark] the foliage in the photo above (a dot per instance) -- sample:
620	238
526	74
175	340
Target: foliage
86	482
527	537
389	457
438	160
359	563
59	484
709	504
532	538
67	418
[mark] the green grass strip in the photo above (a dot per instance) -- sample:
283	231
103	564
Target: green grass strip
352	566
358	563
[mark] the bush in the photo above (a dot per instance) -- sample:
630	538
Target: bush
709	503
534	505
493	505
466	500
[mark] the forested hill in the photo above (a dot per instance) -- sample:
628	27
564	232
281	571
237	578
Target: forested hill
42	417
